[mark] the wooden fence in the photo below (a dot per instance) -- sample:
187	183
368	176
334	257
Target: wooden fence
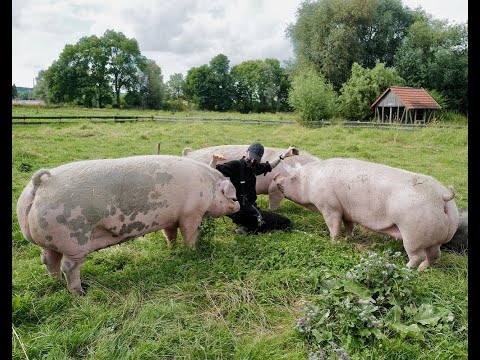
68	119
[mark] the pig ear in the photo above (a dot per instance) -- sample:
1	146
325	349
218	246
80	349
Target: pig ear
223	184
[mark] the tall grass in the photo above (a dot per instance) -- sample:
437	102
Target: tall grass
236	296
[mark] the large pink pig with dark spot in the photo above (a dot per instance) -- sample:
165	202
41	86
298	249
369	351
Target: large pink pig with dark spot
412	207
80	207
265	183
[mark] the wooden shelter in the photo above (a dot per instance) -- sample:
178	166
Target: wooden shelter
405	105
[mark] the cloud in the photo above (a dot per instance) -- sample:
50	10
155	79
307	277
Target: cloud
177	34
199	30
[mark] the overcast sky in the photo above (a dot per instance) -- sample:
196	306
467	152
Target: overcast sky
177	34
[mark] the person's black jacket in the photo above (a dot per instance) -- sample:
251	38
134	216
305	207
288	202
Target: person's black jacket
238	171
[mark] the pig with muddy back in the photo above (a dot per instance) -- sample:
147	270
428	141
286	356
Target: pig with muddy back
80	207
265	183
411	207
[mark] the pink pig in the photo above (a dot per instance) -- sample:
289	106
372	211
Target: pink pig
80	207
265	183
412	207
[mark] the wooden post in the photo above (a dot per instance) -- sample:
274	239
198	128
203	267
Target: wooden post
158	148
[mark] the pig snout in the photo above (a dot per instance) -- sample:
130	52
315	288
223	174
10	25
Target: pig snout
235	206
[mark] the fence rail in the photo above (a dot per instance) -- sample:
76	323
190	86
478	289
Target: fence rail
34	120
59	119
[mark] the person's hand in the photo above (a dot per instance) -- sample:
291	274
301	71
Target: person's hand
291	151
217	157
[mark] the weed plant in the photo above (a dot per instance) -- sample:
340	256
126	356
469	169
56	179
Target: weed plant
377	299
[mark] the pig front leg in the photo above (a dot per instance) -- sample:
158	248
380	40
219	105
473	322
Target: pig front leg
190	227
333	219
52	260
170	235
275	196
71	268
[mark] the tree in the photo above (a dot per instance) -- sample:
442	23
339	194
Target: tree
40	90
86	72
363	88
312	96
260	86
220	83
246	84
79	75
125	61
333	34
435	55
175	87
152	89
198	87
95	56
210	86
276	84
64	76
14	91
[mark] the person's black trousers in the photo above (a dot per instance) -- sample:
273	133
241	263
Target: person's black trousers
249	219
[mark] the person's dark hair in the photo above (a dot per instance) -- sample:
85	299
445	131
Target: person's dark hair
256	151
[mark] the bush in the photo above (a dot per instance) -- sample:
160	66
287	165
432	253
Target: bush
451	117
175	105
311	97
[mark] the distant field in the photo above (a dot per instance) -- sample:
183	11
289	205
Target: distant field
236	296
25	110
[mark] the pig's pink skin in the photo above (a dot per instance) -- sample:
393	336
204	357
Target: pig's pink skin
265	183
77	208
412	207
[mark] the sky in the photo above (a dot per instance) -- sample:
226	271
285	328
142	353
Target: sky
176	34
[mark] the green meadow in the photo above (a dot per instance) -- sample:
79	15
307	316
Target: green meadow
238	296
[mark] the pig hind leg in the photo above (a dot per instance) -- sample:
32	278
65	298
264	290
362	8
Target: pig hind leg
71	268
349	225
415	255
52	260
432	253
170	235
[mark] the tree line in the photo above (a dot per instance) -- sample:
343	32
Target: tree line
347	52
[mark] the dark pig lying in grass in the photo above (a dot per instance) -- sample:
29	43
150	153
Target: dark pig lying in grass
265	183
412	207
80	207
459	242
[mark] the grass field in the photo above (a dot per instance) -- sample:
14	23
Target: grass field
236	296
